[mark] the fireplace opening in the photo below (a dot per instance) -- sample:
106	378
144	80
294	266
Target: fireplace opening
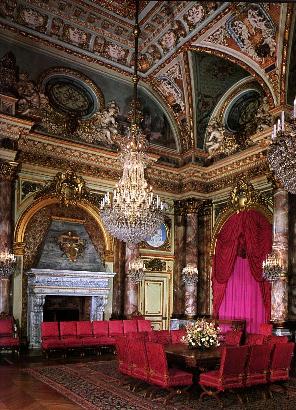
66	308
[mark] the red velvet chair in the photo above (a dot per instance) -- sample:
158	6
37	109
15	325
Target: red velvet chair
130	326
265	329
85	333
68	333
277	339
258	364
233	338
144	325
176	335
161	375
121	346
160	336
254	339
101	333
230	375
140	366
280	363
8	340
50	337
115	328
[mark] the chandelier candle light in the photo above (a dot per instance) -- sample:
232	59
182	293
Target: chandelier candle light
272	268
282	151
137	270
133	213
7	264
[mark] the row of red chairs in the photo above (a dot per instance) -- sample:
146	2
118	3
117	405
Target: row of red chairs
246	366
234	338
147	361
61	335
8	337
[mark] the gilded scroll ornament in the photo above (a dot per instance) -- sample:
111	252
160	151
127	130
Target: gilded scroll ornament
243	196
71	245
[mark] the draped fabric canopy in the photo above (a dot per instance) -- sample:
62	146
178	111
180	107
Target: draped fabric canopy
246	234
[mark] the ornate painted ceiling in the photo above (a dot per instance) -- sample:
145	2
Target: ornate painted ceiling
203	64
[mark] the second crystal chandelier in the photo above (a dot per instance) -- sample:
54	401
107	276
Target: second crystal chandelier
133	213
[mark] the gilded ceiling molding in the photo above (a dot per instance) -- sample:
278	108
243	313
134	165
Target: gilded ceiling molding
44	201
288	35
13	128
242	197
7	170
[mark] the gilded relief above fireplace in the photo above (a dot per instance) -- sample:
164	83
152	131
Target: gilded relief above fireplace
71	245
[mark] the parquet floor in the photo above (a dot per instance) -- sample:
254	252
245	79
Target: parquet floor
19	391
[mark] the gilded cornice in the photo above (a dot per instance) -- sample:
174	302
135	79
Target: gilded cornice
90	161
13	128
7	170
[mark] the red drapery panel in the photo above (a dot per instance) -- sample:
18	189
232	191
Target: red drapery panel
247	231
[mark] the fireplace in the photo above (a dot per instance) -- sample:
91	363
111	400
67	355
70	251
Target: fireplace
64	308
85	294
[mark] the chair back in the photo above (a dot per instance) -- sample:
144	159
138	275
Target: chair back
6	327
115	327
130	326
122	354
254	339
177	335
144	325
160	336
140	366
84	328
68	329
157	360
259	358
281	358
233	361
265	329
277	339
233	337
100	328
49	330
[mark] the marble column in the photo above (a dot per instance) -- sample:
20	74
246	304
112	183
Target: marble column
118	281
7	171
131	288
191	258
279	292
179	245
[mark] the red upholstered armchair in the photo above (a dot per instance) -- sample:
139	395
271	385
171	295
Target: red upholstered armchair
257	365
177	335
163	376
160	336
130	326
230	374
233	338
50	337
8	339
281	358
144	325
254	339
115	328
68	333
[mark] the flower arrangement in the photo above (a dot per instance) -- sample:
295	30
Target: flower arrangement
201	334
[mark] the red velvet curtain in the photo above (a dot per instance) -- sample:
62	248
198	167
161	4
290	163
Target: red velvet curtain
249	233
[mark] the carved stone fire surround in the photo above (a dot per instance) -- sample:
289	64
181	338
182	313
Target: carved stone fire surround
42	282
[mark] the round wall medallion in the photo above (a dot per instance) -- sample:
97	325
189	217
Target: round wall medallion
242	110
70	96
159	238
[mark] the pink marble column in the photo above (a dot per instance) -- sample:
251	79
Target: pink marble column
6	178
179	245
279	292
131	288
192	206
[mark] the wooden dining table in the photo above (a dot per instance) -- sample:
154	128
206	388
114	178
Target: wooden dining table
194	358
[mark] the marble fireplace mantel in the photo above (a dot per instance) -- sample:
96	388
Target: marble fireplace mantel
43	282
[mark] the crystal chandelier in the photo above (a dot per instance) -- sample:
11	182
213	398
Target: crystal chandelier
7	264
282	151
190	274
136	270
133	213
272	268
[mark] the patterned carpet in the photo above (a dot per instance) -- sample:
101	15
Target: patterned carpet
98	386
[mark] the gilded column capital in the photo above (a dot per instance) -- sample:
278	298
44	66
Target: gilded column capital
188	206
180	207
275	183
7	170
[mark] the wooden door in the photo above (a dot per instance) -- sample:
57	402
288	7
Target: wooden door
155	299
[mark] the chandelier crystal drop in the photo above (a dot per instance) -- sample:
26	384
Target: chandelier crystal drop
7	264
272	268
136	270
190	274
282	151
133	213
